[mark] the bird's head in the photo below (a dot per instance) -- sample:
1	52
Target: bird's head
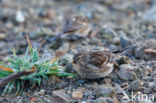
75	24
77	57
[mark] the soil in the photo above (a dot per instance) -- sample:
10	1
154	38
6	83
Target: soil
116	24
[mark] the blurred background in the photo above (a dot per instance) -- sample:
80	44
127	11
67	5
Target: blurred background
133	22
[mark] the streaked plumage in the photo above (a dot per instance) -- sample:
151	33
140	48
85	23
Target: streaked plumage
94	65
77	24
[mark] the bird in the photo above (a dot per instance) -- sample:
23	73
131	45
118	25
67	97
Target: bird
96	64
77	24
76	30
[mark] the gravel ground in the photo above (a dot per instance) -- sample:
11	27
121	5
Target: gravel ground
115	24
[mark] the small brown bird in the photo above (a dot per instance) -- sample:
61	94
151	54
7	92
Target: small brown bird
96	64
77	24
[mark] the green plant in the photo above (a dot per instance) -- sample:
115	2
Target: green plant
35	69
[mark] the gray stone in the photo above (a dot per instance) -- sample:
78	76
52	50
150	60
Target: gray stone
105	91
56	41
107	33
139	53
126	72
147	90
124	42
154	88
135	85
118	89
147	78
126	101
42	32
100	100
104	100
150	14
60	97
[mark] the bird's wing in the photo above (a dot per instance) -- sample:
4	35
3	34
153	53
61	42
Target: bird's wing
97	58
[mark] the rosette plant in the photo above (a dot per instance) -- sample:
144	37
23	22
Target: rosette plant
29	68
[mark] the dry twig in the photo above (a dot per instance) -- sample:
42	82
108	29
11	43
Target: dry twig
12	77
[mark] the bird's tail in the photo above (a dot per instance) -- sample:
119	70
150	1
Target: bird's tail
123	51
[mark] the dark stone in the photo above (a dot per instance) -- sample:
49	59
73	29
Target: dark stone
73	38
124	43
55	42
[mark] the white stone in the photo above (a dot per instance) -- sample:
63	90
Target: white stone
19	17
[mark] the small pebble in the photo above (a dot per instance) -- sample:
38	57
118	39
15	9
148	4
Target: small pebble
135	85
3	36
20	18
78	94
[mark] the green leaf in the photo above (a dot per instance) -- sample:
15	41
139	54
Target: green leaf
45	77
4	73
18	87
66	74
39	81
15	65
11	86
3	64
6	88
27	53
18	60
22	86
35	56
